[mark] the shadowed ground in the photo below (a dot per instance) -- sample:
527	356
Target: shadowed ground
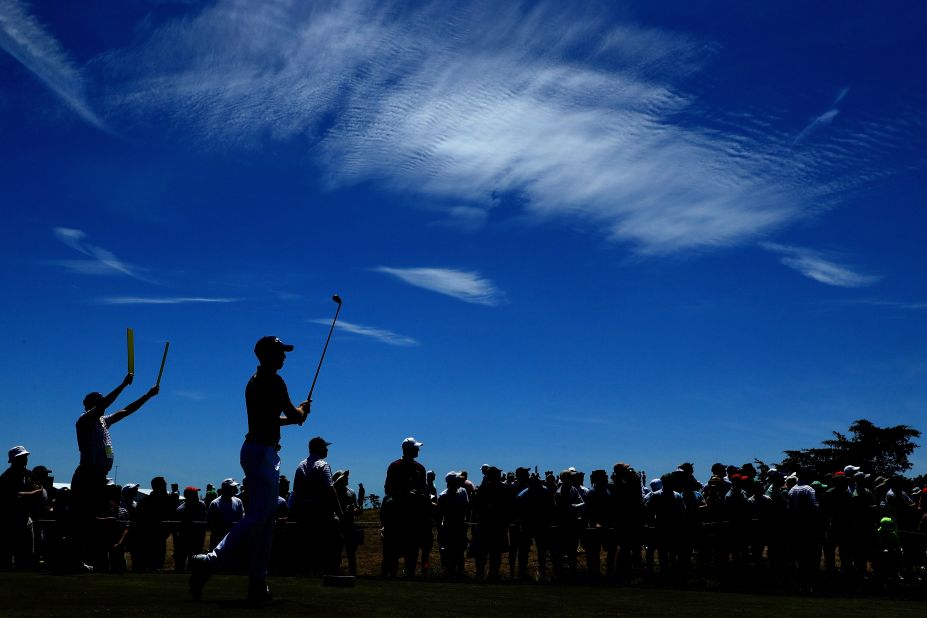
161	594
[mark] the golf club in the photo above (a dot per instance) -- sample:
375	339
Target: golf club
337	300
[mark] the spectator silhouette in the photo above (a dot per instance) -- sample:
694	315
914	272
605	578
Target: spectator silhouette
452	508
149	534
667	512
314	504
191	535
534	515
406	512
805	520
17	495
349	507
224	512
430	481
41	510
570	523
491	512
516	482
88	486
602	512
210	494
626	488
112	533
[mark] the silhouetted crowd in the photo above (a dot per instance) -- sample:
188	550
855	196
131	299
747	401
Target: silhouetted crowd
790	528
787	528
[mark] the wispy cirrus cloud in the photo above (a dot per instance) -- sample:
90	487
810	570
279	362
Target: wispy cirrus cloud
164	300
815	265
894	304
579	117
379	334
825	118
100	261
463	285
23	37
586	420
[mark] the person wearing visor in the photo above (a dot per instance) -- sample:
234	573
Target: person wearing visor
88	485
269	408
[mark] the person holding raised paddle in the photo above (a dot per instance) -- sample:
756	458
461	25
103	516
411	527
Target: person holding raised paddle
88	486
267	399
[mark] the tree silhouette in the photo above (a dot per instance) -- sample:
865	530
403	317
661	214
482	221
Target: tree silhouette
882	451
374	500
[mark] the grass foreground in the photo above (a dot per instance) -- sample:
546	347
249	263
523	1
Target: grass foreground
35	594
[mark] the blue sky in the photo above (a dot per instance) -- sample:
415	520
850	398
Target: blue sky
565	233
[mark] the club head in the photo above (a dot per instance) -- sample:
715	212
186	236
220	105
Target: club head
337	299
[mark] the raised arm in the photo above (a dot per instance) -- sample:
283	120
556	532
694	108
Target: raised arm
109	399
132	407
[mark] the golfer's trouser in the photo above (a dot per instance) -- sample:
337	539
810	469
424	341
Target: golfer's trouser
255	532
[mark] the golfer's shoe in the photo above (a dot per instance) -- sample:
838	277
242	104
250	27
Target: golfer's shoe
259	593
200	572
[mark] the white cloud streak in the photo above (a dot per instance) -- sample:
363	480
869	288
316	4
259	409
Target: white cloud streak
894	304
384	336
164	300
824	119
24	38
101	261
819	267
462	102
463	285
586	420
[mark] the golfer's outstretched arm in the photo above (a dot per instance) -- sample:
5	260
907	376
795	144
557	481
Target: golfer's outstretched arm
132	407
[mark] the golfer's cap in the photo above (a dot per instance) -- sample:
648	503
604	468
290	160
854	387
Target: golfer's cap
850	470
268	344
317	443
338	475
17	451
190	488
410	442
229	484
451	476
40	470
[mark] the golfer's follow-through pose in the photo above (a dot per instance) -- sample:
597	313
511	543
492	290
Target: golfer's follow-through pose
266	398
